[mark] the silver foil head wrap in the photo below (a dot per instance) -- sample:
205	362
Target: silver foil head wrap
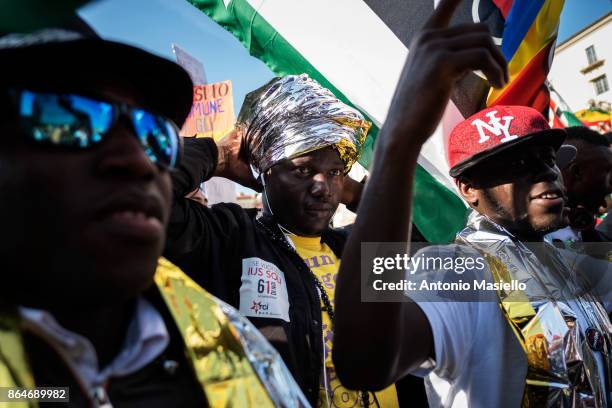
294	115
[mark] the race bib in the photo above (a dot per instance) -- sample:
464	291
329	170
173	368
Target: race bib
263	291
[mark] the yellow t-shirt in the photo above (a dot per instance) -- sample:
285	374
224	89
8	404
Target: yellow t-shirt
323	262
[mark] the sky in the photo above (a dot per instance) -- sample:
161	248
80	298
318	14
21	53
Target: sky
155	24
578	14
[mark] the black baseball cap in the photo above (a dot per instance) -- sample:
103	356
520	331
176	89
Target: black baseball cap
73	54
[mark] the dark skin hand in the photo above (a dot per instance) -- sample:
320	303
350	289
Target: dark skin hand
232	162
303	192
438	58
351	192
76	247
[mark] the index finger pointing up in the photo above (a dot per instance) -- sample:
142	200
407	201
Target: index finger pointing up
442	14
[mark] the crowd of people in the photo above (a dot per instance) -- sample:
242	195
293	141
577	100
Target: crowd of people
121	286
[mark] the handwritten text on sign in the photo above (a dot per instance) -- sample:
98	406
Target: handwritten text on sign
212	112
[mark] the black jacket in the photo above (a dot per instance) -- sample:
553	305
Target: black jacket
152	386
209	244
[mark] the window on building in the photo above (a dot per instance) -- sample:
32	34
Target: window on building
591	56
601	84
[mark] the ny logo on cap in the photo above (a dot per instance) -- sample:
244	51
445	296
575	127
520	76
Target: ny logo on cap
495	127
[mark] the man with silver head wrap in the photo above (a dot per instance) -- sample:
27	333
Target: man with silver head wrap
295	141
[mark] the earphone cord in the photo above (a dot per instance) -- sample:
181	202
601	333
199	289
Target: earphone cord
327	305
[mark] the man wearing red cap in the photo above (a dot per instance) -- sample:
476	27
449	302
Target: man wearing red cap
519	325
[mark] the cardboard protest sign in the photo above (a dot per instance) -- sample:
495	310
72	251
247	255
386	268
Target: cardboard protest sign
212	112
191	64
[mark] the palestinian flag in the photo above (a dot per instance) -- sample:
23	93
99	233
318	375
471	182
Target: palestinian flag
560	115
357	49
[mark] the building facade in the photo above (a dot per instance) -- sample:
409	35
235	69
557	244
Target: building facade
582	68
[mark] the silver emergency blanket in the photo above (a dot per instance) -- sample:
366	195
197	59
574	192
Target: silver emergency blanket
294	115
266	361
561	368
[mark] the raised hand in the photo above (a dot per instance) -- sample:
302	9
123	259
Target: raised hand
440	56
232	163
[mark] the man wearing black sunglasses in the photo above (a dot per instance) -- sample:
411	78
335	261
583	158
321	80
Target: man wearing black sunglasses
87	142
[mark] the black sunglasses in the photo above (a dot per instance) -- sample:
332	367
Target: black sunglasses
79	122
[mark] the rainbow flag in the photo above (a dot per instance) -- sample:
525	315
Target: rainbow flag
528	44
596	118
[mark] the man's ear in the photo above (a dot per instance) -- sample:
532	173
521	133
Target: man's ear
574	171
467	190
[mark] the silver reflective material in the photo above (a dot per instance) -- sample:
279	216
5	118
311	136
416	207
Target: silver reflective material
45	36
562	371
294	115
266	362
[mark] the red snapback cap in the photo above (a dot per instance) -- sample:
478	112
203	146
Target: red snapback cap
497	129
